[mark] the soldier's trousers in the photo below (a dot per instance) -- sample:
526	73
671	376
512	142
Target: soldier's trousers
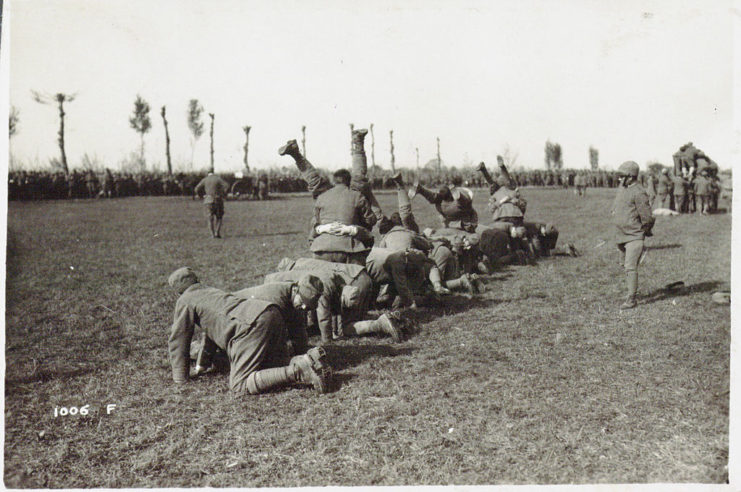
261	345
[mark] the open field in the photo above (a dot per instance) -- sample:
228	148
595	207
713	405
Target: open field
540	380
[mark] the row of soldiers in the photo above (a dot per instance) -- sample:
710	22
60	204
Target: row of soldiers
353	285
39	185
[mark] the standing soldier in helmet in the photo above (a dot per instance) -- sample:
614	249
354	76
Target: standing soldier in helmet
634	221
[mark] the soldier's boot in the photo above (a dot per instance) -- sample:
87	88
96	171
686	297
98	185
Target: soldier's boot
398	180
417	188
482	169
311	368
572	250
461	283
437	281
386	324
478	284
632	282
267	379
291	148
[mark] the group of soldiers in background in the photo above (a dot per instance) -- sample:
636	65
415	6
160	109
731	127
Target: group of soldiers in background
692	186
352	285
38	185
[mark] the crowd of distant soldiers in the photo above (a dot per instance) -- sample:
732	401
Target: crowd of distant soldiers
44	184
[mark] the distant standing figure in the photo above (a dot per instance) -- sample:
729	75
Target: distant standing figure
216	190
634	221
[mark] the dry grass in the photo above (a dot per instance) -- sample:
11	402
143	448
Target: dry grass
542	380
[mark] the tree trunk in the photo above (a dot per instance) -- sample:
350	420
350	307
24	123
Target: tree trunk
439	161
373	147
416	149
393	159
211	115
167	142
303	140
61	136
246	146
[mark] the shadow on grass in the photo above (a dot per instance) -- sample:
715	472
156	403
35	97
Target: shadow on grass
345	356
663	246
664	293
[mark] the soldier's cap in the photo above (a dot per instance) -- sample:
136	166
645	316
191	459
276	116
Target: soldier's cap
310	288
628	168
285	264
350	296
181	279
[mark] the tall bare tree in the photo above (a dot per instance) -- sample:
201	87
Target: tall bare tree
163	112
58	98
141	123
303	140
246	145
373	147
195	110
352	128
509	156
416	149
393	159
439	161
553	155
211	134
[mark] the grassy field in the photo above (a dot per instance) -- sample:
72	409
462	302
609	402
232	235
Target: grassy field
540	380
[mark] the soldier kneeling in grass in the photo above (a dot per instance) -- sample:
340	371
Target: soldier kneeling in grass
252	332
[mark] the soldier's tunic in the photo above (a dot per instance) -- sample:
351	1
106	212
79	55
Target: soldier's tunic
664	190
252	333
632	218
702	190
346	206
281	294
506	205
680	193
215	190
329	307
406	271
460	208
399	238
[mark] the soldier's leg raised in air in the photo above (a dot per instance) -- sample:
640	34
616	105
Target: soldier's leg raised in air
405	205
317	184
359	181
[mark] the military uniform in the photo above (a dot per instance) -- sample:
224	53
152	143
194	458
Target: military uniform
252	333
281	294
506	205
633	220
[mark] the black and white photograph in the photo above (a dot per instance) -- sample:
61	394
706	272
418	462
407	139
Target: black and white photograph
323	243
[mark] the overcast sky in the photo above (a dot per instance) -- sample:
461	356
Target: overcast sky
635	79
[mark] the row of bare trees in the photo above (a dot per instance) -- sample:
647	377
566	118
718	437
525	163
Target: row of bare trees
139	121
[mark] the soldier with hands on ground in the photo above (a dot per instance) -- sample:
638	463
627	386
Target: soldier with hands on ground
251	332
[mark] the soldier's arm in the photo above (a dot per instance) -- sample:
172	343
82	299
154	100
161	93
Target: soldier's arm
205	355
199	188
181	335
644	211
324	318
366	213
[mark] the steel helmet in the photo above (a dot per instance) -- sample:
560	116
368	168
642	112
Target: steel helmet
628	168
